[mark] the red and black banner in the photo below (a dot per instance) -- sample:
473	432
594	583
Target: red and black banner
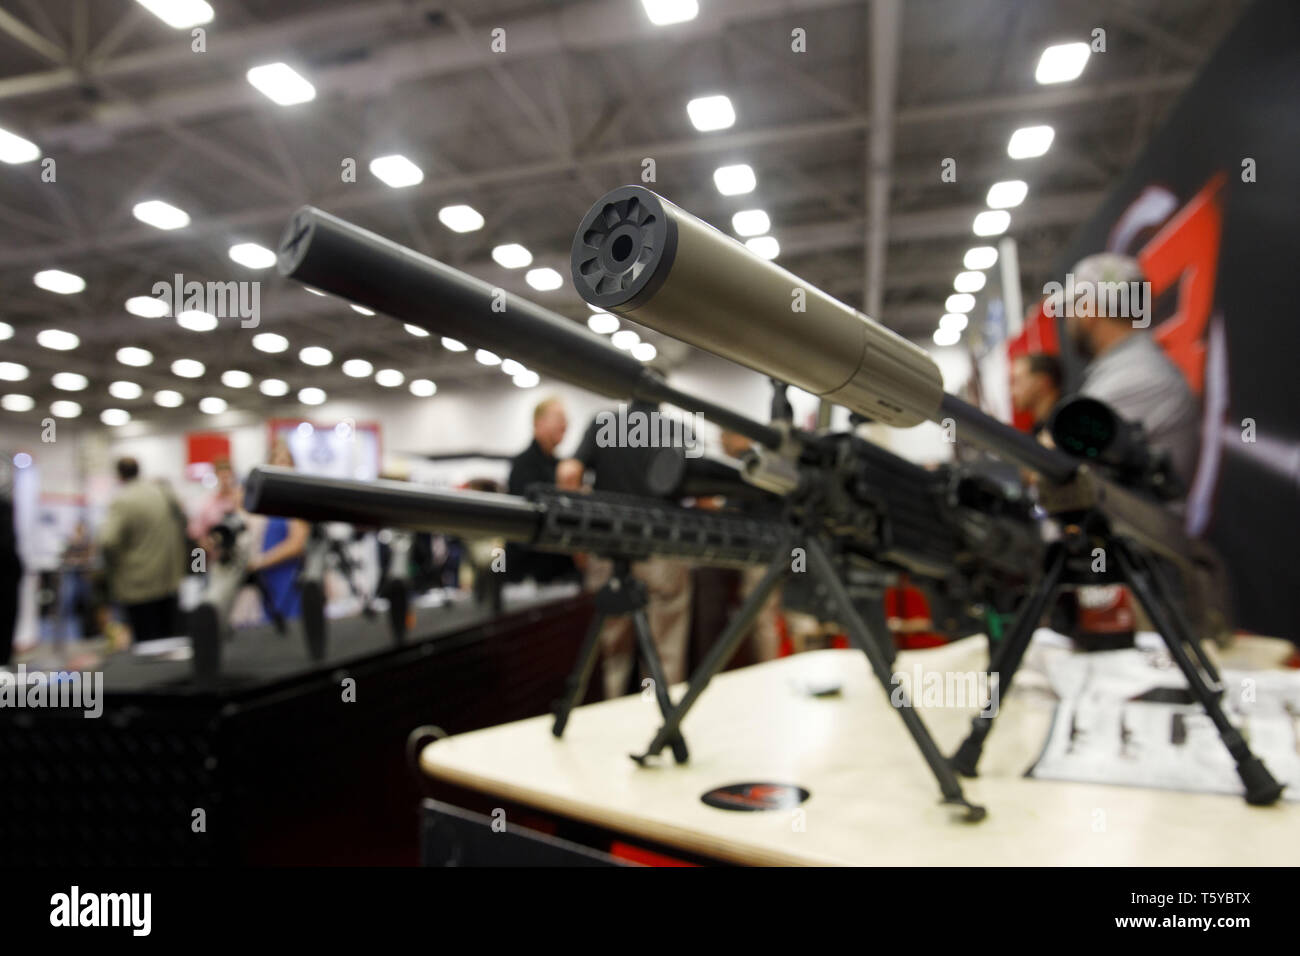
1211	209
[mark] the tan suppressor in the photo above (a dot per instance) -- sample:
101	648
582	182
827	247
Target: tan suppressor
638	255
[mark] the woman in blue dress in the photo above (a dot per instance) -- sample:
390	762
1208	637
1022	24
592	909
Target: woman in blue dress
282	547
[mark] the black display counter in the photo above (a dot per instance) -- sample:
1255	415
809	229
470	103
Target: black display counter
278	762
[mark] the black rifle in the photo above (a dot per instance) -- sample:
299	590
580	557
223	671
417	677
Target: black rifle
863	504
636	254
622	527
971	551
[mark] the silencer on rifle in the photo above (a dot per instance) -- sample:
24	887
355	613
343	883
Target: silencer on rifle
638	255
389	504
355	264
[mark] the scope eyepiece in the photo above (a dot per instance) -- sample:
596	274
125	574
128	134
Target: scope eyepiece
1090	429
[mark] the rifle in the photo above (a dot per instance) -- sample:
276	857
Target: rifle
844	503
974	551
638	255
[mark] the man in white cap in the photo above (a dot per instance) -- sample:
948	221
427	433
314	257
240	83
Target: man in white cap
1126	368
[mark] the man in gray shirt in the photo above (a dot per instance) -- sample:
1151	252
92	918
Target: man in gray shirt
1126	368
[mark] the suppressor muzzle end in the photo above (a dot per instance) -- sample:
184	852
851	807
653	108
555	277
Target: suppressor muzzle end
623	248
296	240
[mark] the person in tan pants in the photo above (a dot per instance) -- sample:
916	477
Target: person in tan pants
622	469
668	609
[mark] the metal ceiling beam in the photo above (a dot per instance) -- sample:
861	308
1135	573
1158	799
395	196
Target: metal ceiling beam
236	46
358	196
25	35
806	239
575	28
884	28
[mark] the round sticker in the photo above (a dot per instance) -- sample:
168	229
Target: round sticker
756	796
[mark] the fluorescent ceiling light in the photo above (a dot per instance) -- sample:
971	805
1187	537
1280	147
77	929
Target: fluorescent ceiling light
274	387
423	388
544	279
945	337
460	218
14	149
187	368
1062	63
281	84
147	307
270	342
56	280
65	409
315	355
6	331
735	180
527	379
57	339
396	171
315	291
484	357
994	222
69	381
980	257
179	14
197	321
954	320
362	309
160	215
511	367
959	302
114	417
751	222
137	357
415	330
212	405
167	398
13	372
710	113
644	352
453	345
126	391
664	12
512	256
1030	141
765	247
251	255
389	377
1007	194
968	281
311	396
17	403
602	323
236	379
625	339
357	368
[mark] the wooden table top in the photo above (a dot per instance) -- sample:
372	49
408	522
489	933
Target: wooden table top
873	800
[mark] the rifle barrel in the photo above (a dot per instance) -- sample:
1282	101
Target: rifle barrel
390	504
